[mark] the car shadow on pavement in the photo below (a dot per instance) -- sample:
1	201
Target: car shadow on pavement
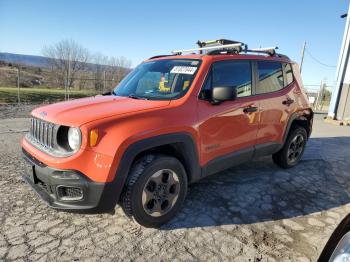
261	191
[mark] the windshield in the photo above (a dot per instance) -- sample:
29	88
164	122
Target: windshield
159	80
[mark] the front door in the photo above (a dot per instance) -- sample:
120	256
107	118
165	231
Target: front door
231	126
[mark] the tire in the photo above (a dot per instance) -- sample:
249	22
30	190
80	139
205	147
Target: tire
155	190
296	142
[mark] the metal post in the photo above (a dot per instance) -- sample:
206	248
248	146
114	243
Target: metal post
302	56
322	98
322	91
68	75
18	82
317	101
65	86
104	81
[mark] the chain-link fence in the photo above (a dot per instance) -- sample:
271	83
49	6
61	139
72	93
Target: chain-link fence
47	94
37	85
319	96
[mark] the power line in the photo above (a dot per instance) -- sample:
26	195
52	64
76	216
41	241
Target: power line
318	61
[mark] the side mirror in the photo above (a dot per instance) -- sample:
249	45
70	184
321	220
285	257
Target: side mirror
223	93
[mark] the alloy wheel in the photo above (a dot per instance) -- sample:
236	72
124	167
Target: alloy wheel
296	148
160	193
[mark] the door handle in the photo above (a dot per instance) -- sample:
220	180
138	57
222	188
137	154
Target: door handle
250	109
288	101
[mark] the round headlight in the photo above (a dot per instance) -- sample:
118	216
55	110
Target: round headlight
74	138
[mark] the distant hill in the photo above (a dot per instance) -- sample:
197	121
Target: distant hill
28	60
36	71
38	61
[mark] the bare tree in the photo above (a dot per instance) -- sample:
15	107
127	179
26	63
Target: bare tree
67	58
118	68
100	64
71	62
109	71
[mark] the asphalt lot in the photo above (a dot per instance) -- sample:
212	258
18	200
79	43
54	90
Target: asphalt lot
254	212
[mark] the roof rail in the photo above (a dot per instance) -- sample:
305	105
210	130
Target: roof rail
282	56
158	56
266	50
235	46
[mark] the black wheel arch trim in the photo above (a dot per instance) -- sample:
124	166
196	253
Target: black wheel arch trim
189	152
296	116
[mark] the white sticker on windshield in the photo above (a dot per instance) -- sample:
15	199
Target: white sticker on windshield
188	70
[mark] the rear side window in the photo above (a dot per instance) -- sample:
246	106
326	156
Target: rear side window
296	74
270	77
289	73
237	74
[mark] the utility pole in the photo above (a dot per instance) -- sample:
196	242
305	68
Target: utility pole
18	82
302	56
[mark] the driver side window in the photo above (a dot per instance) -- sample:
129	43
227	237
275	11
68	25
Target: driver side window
237	74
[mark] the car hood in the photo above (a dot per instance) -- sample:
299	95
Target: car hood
80	111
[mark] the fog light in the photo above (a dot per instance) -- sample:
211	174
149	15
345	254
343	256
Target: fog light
69	193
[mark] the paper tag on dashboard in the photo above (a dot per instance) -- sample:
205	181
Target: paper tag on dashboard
188	70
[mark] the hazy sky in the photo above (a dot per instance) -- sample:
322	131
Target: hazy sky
140	29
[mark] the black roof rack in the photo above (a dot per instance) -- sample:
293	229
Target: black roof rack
217	42
235	46
225	46
223	52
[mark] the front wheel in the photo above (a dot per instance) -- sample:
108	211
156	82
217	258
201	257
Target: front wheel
293	149
155	190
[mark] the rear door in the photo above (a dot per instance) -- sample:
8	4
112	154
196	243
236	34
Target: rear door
274	90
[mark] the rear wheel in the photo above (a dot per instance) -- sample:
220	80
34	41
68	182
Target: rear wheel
155	190
293	149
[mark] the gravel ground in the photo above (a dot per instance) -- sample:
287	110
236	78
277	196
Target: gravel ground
14	111
254	212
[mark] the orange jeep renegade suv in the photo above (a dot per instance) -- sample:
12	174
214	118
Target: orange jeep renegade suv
172	121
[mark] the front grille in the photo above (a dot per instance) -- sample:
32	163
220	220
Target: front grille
42	132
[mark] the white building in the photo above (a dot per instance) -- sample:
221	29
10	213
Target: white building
339	108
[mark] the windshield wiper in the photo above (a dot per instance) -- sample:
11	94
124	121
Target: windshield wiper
133	96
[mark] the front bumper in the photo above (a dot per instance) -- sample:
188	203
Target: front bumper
69	189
